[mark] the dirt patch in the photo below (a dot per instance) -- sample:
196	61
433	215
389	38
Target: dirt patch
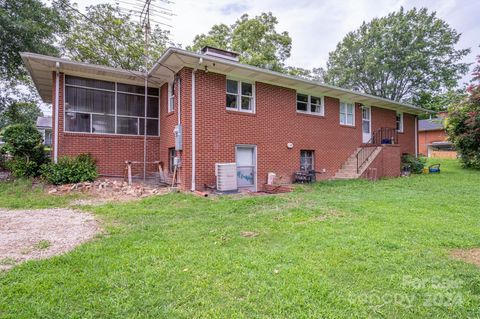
471	256
107	190
39	234
248	234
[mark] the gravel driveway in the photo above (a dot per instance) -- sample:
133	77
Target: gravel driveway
38	234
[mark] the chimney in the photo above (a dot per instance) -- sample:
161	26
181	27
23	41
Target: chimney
220	53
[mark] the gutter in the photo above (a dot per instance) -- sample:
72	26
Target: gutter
173	50
57	100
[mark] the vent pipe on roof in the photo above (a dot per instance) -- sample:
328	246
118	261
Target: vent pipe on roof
220	53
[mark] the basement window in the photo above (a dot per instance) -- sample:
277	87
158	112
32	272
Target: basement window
240	96
310	104
306	160
171	159
347	113
400	122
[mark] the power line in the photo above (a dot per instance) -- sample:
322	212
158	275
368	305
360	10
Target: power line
117	39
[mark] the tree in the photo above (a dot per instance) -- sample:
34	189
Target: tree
109	37
255	39
463	123
398	56
23	143
439	102
27	25
20	113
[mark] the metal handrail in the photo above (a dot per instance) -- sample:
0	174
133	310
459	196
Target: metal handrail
383	135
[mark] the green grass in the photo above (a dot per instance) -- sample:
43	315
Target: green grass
333	249
22	193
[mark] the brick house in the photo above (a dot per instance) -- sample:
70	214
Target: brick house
207	108
433	140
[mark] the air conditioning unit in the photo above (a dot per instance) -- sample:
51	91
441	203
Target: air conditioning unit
226	174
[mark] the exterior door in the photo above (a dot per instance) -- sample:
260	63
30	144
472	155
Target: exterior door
366	124
246	166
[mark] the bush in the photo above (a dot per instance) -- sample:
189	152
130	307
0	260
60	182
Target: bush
23	144
70	170
415	165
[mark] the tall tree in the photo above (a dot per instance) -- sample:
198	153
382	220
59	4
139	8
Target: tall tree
256	39
20	113
27	25
398	56
463	123
110	37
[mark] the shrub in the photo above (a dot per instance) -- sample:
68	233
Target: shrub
416	165
70	170
23	144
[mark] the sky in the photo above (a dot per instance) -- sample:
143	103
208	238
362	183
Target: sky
314	26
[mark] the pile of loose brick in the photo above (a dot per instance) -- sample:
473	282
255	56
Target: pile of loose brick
109	188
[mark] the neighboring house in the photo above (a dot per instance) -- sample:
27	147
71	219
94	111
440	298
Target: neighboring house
433	140
207	108
44	126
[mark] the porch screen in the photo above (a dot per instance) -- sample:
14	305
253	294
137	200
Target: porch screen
101	107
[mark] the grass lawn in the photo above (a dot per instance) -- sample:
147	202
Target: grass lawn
333	249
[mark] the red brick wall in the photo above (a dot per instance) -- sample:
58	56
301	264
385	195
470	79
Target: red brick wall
407	138
218	131
427	137
110	151
386	164
274	124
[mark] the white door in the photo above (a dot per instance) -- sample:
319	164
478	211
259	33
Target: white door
366	124
246	166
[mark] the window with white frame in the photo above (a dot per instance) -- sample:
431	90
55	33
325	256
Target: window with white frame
310	104
399	122
101	107
171	96
306	160
347	113
240	96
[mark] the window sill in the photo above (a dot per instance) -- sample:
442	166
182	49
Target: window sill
400	132
234	111
347	126
170	113
317	115
107	135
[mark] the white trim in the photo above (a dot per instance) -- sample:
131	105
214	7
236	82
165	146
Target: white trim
309	104
239	95
57	102
346	114
170	95
254	147
115	114
193	133
369	121
416	136
401	129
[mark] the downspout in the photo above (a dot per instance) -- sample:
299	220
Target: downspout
416	135
57	100
178	100
193	130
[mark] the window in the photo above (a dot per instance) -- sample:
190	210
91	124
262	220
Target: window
309	104
101	107
171	159
347	113
171	97
399	122
306	160
240	96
